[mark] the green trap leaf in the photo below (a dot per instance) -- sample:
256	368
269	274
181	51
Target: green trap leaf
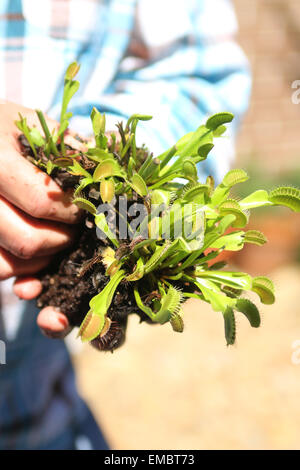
218	120
264	288
286	196
250	310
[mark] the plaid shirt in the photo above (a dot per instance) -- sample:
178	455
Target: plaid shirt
174	59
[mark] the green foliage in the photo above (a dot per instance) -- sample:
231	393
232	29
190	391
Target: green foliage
264	288
85	204
163	268
255	237
94	321
139	185
107	168
22	126
70	88
230	326
250	310
218	120
285	196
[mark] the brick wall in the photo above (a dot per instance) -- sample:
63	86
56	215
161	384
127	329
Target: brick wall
270	36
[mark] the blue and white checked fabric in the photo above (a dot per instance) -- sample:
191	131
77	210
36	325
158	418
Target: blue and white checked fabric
174	59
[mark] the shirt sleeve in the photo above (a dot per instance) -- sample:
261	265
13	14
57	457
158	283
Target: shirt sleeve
182	65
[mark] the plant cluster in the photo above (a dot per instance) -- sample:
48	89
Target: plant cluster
163	271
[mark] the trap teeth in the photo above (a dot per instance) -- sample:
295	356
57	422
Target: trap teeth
106	327
90	327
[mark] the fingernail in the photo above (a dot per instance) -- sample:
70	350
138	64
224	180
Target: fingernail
63	320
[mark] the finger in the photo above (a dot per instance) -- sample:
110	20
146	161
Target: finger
32	190
27	288
53	323
10	266
10	113
26	237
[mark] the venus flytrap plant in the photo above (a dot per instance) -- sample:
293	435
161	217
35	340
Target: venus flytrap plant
50	145
96	318
99	123
70	88
22	126
166	254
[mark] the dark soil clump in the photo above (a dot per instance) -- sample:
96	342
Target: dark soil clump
65	287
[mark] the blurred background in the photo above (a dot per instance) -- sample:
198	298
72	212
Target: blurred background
169	391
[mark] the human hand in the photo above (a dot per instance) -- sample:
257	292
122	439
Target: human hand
36	216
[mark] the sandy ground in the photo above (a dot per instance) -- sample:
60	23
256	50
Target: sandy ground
164	390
